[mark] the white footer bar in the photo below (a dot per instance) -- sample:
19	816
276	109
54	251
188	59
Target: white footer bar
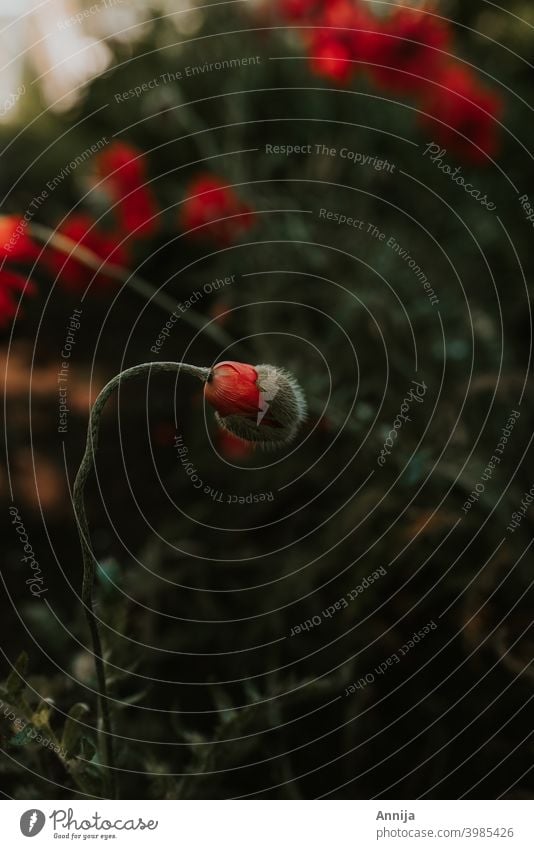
269	824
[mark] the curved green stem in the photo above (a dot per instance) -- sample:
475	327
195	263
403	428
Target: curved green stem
105	728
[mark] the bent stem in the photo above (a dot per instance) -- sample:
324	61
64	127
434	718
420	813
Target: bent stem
105	728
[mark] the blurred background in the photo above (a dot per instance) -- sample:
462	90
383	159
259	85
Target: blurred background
339	188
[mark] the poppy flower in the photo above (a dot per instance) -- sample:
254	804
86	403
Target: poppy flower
124	164
11	285
406	50
352	18
215	211
261	404
138	213
123	169
298	10
15	244
73	274
344	41
331	57
463	116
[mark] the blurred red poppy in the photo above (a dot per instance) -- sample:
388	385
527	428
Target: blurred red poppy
408	48
463	116
299	10
215	211
330	57
15	244
124	169
344	42
73	274
124	164
138	213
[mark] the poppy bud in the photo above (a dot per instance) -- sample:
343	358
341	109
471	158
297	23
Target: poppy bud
261	404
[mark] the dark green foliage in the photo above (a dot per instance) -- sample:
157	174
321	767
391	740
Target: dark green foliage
212	696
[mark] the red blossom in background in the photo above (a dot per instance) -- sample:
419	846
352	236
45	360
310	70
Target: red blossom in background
138	213
354	25
341	13
124	164
71	273
330	57
215	211
463	116
344	42
399	51
15	244
407	50
124	171
298	10
11	285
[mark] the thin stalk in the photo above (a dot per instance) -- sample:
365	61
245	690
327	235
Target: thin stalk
105	726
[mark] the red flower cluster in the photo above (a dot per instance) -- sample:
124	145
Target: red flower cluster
214	211
343	40
298	10
331	57
463	116
15	246
123	169
72	274
409	49
406	50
